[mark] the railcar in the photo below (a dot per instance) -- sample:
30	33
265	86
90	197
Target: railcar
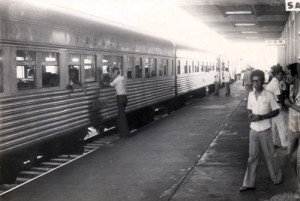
54	77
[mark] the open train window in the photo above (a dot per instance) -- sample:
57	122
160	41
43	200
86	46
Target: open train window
196	63
108	63
74	69
178	67
89	66
172	70
185	67
1	72
150	67
134	69
163	67
152	64
25	69
50	69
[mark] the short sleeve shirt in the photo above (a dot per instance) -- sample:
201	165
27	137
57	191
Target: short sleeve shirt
274	87
226	76
264	104
120	85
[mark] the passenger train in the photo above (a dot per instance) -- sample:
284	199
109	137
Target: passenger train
55	69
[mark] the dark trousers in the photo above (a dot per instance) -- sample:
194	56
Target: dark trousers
227	88
122	119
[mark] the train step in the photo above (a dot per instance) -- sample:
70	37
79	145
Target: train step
21	180
30	174
41	169
60	160
50	164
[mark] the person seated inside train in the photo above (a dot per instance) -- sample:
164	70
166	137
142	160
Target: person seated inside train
74	79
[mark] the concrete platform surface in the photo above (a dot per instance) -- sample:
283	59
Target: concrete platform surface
197	153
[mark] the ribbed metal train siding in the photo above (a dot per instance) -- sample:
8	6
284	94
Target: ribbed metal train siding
189	82
141	93
34	118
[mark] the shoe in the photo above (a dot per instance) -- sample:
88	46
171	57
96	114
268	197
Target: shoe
245	188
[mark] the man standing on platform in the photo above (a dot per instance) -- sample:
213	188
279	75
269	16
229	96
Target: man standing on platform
247	81
226	80
119	83
217	82
278	123
293	103
262	106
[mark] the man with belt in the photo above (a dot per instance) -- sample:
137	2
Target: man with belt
118	81
261	107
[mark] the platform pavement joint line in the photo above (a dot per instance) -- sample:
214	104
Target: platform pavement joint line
168	194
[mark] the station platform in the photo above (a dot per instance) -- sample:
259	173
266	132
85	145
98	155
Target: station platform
198	153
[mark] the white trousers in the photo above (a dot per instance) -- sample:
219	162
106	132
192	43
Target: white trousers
279	130
263	139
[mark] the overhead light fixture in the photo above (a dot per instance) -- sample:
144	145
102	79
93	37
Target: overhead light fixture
244	12
249	32
245	24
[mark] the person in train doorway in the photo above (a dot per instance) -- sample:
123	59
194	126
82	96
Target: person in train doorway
293	103
247	81
226	80
118	81
261	106
217	82
278	123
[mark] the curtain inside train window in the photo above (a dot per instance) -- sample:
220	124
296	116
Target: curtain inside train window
1	71
50	69
89	66
25	69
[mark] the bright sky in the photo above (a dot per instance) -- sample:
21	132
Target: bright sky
165	19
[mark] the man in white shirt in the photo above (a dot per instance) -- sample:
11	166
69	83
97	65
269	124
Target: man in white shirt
217	82
278	123
247	81
119	83
226	80
261	107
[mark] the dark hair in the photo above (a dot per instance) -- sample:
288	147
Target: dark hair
116	68
293	68
258	73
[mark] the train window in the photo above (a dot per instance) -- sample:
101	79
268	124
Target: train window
50	69
1	72
172	70
134	69
202	67
138	67
152	65
74	69
108	63
89	68
130	72
25	69
163	67
74	74
185	67
178	67
196	63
